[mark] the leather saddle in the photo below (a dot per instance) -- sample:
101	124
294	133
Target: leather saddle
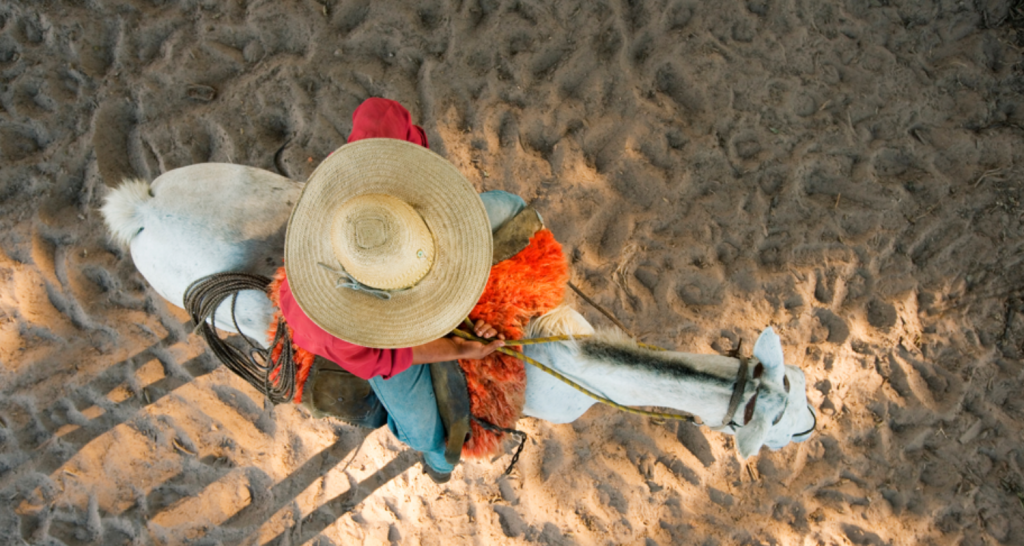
330	390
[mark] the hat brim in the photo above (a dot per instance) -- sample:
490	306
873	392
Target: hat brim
451	209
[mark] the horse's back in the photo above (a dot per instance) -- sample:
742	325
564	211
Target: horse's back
214	218
230	202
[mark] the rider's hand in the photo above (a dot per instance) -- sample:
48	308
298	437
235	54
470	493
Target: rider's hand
452	348
474	350
486	331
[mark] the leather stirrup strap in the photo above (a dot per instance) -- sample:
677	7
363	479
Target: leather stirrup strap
450	386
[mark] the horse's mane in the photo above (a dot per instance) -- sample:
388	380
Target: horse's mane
616	348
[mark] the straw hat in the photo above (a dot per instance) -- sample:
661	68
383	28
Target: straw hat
388	246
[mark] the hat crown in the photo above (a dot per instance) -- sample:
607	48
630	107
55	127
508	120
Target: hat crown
382	242
370	232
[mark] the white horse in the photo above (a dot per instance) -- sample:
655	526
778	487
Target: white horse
214	218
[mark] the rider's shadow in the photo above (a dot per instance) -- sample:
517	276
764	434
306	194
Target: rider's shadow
329	512
268	500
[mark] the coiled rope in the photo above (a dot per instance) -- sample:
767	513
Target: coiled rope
203	297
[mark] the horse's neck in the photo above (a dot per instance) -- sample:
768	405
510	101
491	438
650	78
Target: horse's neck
694	383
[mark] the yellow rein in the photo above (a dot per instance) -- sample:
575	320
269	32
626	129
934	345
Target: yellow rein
533	341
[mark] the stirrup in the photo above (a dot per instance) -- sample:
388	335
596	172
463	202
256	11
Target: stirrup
453	404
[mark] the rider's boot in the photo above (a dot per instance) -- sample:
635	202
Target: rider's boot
453	404
332	390
437	477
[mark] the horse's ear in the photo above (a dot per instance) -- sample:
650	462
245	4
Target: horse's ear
750	437
768	350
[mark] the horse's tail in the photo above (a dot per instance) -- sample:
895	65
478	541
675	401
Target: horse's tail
123	209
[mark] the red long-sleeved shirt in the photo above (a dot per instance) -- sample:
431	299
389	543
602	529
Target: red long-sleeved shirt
361	361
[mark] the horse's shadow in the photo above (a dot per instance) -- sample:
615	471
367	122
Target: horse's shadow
268	500
45	449
40	434
240	528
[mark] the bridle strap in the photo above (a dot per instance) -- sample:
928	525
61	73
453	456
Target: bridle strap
737	391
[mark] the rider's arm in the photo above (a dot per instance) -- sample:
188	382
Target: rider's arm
454	348
365	362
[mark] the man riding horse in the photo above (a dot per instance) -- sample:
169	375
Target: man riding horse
388	249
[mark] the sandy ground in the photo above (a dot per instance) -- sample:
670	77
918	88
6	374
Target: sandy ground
847	171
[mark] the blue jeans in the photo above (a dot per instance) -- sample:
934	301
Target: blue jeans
409	396
501	206
412	413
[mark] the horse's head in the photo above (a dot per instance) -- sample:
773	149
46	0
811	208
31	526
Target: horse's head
781	413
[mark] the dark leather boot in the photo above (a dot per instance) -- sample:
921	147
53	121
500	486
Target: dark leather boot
453	404
437	477
332	390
